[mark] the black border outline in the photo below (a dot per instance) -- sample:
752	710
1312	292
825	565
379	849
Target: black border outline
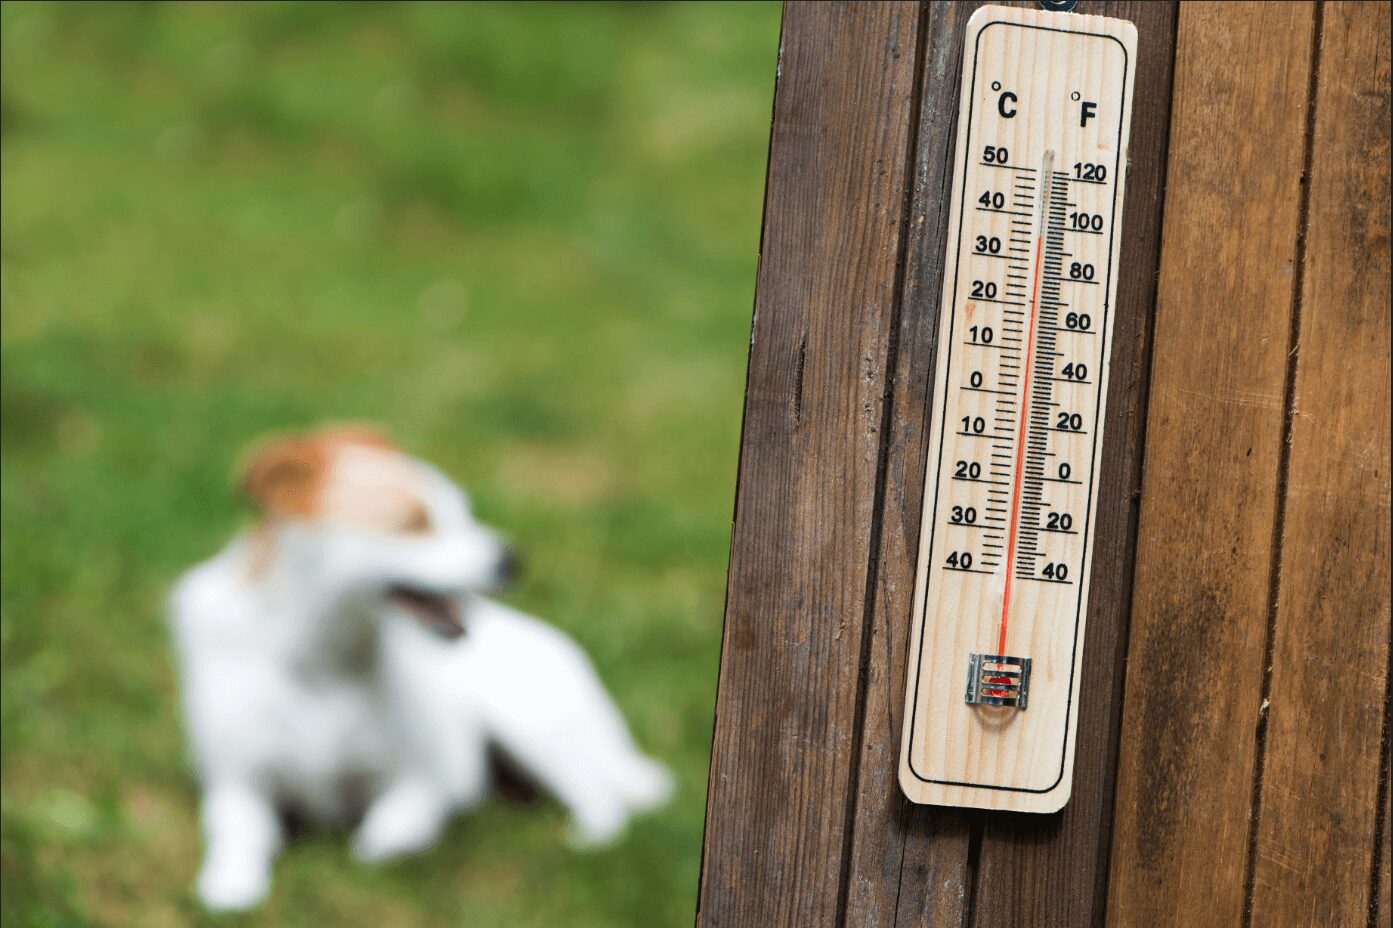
1098	412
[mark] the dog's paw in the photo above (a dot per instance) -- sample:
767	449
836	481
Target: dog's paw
406	820
384	842
232	889
592	829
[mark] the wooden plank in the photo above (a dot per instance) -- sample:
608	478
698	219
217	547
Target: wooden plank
1214	434
787	706
909	862
1012	319
1053	871
1382	914
1331	636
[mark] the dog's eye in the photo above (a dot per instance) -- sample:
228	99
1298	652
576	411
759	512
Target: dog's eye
417	520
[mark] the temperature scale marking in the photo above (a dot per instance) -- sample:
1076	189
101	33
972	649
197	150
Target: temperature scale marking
1017	419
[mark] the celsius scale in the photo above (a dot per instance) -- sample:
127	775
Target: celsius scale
1011	482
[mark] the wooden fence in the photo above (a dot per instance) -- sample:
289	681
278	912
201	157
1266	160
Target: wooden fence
1233	740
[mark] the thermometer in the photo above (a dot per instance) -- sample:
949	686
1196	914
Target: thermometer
1012	475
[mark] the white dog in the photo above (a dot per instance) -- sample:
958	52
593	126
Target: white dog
338	657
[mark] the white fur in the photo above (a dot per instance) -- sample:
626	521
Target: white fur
298	680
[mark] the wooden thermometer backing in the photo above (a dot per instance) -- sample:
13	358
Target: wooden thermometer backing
1011	482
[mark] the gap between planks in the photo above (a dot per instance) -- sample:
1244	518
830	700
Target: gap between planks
1279	522
887	400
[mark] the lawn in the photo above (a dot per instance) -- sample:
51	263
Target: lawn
523	237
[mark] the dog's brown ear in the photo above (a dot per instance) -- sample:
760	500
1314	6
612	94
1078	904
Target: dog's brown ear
354	433
283	476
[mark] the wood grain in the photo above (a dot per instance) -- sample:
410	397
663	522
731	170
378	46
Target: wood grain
1054	871
787	708
1382	903
1319	796
806	825
1214	434
909	864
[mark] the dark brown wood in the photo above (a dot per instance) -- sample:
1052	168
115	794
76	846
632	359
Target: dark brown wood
788	702
1382	877
1331	635
909	864
1213	456
1192	804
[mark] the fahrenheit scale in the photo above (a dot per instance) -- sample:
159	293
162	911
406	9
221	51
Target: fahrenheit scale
1011	483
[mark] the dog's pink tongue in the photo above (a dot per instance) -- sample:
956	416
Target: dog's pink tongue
439	613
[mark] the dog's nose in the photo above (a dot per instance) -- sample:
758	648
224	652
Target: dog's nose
509	566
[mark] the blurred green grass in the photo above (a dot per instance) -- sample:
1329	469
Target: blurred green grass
521	236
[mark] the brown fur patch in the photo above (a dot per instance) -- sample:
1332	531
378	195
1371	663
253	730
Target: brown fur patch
285	475
292	476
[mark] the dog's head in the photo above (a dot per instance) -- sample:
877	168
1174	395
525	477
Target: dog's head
351	482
